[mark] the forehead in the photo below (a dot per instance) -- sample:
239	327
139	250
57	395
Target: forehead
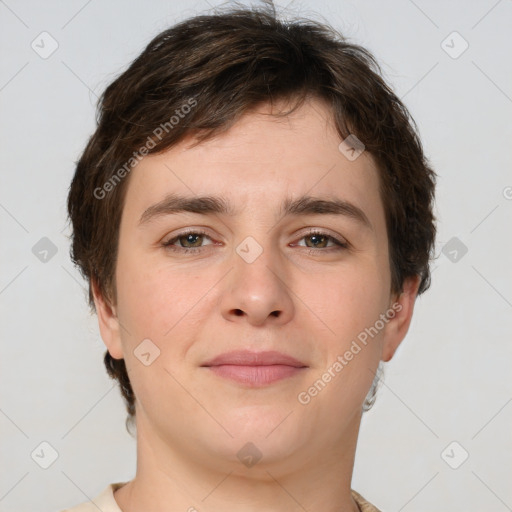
261	161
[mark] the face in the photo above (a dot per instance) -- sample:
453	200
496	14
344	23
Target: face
277	286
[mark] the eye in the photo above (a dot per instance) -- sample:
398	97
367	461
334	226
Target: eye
193	241
320	240
189	241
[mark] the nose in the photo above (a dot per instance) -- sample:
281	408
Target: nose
257	291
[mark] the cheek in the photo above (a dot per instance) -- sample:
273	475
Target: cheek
352	301
157	301
350	348
156	304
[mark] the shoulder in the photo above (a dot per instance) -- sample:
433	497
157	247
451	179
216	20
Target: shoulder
105	501
364	506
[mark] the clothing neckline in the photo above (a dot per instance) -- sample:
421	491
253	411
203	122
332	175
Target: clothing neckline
107	502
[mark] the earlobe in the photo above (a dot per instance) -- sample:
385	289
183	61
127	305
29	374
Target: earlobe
403	306
108	322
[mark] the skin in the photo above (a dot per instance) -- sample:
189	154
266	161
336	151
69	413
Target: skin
311	305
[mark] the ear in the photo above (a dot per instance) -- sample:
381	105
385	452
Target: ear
108	322
398	325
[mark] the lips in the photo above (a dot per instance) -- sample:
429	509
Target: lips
255	369
248	358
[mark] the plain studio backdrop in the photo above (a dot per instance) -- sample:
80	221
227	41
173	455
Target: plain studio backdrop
439	436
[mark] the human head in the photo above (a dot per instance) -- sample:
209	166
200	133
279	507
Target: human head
198	79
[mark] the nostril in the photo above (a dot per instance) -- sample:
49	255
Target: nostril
238	312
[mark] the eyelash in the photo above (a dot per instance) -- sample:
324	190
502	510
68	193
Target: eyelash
187	250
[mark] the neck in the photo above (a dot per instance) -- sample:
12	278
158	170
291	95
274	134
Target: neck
173	477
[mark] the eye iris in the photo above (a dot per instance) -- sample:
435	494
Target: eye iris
318	238
195	240
189	239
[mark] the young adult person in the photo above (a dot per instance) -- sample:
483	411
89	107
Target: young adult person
254	217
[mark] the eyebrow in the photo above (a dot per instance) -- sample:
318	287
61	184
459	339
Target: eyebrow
207	205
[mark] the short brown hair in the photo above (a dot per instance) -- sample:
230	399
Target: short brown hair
222	65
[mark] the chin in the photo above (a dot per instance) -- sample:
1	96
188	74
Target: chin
274	428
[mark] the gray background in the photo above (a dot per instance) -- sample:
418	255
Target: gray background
450	380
